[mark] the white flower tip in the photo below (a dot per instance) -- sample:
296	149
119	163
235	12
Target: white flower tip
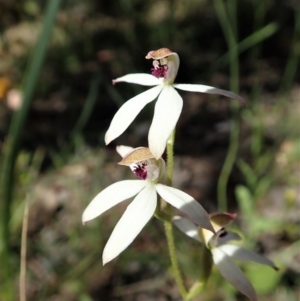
123	150
106	259
114	81
107	140
157	154
236	97
88	215
274	267
84	219
242	101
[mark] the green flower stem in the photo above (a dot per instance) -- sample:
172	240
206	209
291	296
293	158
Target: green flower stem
168	223
173	258
195	290
161	215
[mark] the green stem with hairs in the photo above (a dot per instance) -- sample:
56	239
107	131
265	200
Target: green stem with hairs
173	258
168	223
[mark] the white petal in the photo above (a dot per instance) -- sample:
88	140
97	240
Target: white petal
186	226
233	274
136	216
223	239
123	150
111	196
209	90
242	254
139	78
167	111
186	204
127	113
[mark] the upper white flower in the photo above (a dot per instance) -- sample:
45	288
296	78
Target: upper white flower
169	103
142	208
222	252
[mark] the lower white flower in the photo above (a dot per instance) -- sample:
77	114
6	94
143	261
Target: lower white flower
222	252
139	212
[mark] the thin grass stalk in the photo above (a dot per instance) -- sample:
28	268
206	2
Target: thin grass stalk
253	39
293	60
23	253
81	121
256	143
89	104
13	141
232	12
234	85
172	23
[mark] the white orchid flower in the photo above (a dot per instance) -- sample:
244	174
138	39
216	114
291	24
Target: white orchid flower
222	252
139	212
169	103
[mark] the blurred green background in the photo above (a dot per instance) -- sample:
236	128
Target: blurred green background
57	60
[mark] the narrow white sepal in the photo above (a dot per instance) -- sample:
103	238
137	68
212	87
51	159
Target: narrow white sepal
143	79
242	254
233	274
136	216
111	196
209	90
186	204
166	114
127	113
186	226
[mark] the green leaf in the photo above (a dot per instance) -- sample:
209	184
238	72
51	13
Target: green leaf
262	186
245	201
248	173
261	225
